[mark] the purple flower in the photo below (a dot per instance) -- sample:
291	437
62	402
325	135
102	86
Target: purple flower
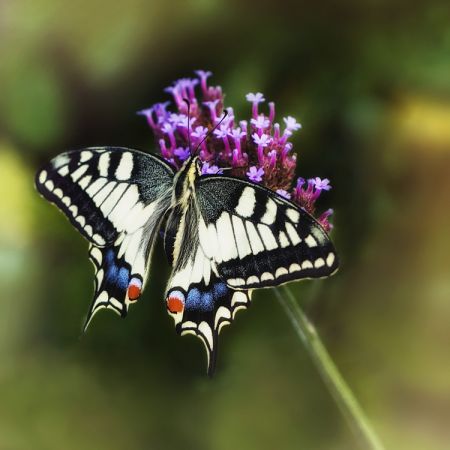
185	123
306	193
180	120
222	132
271	111
283	193
183	88
210	170
291	124
228	121
261	122
203	75
148	114
263	140
236	133
272	155
145	112
176	118
212	105
255	98
164	150
255	174
199	132
254	149
182	153
177	96
167	128
300	182
323	220
323	185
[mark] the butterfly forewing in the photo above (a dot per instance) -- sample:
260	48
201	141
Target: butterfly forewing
257	238
105	191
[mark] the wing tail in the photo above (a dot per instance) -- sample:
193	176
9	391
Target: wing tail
120	272
113	279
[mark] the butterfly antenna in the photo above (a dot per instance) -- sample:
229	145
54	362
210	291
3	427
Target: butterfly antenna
188	103
225	114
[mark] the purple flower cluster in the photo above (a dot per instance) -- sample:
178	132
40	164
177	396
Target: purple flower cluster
258	150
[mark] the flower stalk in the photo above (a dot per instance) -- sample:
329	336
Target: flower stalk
330	374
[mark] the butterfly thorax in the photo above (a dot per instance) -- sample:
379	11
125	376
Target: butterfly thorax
181	220
184	181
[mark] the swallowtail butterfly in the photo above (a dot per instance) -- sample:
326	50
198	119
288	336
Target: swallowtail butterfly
222	235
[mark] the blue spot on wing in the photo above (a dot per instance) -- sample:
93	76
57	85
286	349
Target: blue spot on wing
110	257
197	300
207	299
220	290
115	275
123	278
193	298
111	273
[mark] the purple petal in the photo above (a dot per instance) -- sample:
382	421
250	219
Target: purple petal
255	98
283	193
255	174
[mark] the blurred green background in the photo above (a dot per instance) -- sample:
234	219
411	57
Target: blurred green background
369	81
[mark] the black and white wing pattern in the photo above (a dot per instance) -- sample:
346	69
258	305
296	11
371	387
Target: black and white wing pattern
257	238
116	198
197	299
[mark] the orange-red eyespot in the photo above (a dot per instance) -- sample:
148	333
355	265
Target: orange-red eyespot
134	289
175	302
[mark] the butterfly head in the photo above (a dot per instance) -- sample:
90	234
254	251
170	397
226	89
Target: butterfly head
198	165
192	168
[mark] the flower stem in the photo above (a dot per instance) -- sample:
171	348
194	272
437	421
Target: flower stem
339	389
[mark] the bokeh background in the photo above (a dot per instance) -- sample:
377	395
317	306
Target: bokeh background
369	81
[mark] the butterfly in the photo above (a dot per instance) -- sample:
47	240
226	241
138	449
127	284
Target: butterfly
223	236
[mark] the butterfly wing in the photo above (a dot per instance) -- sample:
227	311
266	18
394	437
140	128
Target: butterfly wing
257	238
105	191
121	268
116	198
197	299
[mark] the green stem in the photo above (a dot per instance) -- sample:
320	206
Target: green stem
339	389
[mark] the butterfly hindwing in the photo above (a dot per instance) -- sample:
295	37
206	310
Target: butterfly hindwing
106	190
121	271
197	299
112	279
257	238
201	303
